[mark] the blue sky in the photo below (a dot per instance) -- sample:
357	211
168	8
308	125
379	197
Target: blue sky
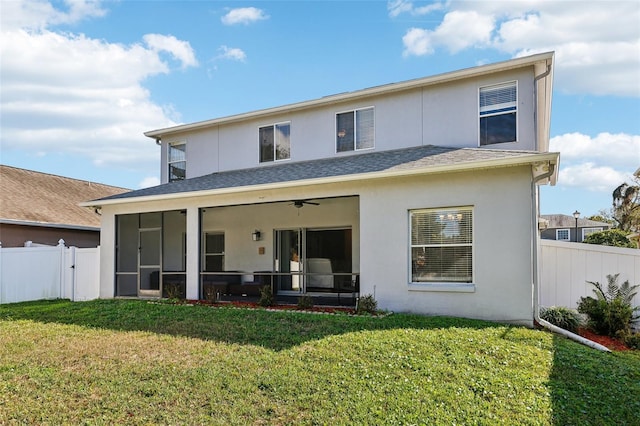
82	80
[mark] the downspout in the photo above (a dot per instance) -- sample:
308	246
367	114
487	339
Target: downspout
536	304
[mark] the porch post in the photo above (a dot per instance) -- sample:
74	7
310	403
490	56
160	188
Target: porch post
193	232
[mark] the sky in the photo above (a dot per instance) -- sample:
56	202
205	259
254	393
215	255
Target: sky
81	81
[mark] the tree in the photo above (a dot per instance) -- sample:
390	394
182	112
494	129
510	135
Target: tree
626	205
605	216
610	237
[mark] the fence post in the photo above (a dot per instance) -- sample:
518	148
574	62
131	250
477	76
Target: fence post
61	276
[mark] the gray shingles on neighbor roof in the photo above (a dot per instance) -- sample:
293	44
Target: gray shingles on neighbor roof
398	160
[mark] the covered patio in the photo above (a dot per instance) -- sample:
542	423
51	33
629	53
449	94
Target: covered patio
294	248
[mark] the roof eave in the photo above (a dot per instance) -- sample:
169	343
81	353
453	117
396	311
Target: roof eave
525	159
49	225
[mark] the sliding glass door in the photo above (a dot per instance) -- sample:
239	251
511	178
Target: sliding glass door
288	261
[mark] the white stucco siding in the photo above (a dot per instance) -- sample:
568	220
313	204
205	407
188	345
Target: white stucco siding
451	111
502	232
445	115
378	213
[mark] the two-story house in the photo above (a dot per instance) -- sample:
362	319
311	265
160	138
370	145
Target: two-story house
423	193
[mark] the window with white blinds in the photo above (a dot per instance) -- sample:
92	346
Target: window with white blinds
498	113
177	161
355	130
442	245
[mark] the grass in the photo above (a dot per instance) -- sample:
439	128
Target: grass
106	362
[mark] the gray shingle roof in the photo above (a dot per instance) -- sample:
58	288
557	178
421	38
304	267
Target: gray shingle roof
567	221
408	159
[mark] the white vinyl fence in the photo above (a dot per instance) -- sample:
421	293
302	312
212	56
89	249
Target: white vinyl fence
566	267
34	273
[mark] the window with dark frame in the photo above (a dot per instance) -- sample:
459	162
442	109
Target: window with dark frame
498	113
177	161
355	130
275	142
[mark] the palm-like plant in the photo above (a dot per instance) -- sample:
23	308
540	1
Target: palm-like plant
610	312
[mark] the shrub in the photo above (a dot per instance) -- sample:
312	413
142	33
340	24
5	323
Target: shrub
367	304
610	312
566	318
266	297
632	340
173	291
305	302
610	237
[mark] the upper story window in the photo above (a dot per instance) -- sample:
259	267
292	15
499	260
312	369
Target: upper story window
442	245
355	130
275	142
562	234
498	113
177	161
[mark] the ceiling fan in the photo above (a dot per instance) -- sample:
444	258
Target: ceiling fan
299	203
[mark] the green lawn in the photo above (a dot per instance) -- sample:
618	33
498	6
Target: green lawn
133	362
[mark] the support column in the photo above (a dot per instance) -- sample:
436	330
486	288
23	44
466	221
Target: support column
193	253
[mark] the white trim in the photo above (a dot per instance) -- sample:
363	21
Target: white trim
442	286
355	125
273	126
568	234
169	162
494	114
49	225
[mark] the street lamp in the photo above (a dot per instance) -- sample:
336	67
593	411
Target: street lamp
576	215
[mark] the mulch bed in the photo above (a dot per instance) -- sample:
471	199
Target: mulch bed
609	342
251	305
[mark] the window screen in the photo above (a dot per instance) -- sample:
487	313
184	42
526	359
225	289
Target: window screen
441	245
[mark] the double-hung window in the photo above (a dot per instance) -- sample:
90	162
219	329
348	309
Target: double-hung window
498	113
275	142
442	245
355	130
177	161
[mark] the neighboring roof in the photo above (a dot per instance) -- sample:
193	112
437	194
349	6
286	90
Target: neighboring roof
545	58
33	198
371	165
567	221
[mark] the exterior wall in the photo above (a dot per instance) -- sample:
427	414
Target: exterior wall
501	199
550	233
16	235
444	115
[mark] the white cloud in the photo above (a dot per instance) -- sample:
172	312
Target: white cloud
232	53
38	14
180	50
596	163
591	177
68	93
597	44
398	7
149	181
244	15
